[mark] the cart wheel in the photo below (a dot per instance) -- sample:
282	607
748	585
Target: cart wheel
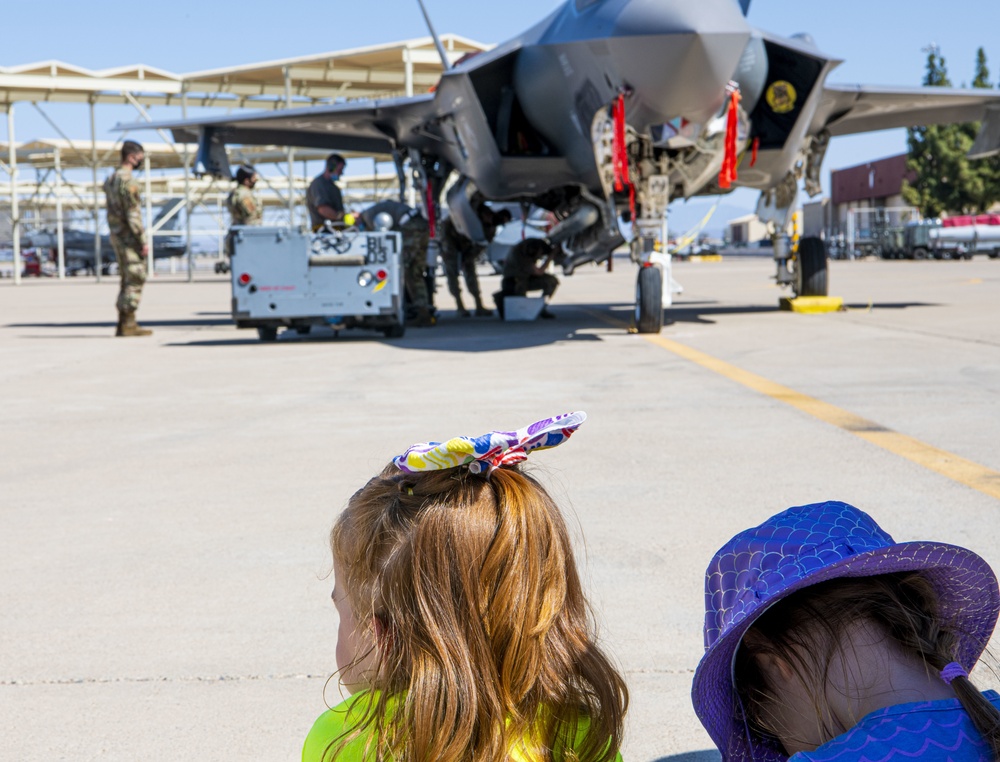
303	330
267	332
394	331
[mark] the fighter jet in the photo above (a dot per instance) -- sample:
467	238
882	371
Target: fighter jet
611	109
79	244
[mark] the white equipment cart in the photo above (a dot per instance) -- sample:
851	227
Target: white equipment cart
342	279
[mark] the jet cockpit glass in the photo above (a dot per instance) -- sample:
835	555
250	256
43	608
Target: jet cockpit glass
582	5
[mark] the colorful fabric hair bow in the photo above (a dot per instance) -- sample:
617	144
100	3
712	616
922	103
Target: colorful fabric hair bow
489	451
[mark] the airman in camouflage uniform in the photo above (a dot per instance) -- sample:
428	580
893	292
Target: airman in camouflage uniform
415	231
244	208
459	254
128	238
416	236
524	271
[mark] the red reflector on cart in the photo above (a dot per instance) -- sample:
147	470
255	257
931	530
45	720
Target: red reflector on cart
245	279
382	274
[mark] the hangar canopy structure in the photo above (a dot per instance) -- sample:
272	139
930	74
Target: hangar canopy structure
407	67
44	202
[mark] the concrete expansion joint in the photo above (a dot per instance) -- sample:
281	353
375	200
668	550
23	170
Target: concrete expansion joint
657	671
160	679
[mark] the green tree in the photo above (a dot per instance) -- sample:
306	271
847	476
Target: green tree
947	181
982	78
985	191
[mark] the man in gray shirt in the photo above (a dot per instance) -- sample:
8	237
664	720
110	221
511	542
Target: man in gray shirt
323	198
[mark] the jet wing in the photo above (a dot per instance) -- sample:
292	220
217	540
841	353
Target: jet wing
370	126
851	109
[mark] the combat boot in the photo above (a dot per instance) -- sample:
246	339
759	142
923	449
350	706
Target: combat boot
131	328
462	312
481	310
423	318
121	323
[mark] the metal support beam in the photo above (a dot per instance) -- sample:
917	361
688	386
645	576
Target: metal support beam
15	222
147	118
222	230
291	154
60	242
408	56
850	232
408	71
55	127
97	201
149	218
187	193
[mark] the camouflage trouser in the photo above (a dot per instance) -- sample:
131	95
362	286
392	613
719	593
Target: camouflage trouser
456	257
132	268
415	239
522	283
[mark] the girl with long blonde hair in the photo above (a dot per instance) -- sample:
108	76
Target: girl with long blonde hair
464	631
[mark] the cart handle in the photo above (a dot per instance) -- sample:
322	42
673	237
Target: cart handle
337	261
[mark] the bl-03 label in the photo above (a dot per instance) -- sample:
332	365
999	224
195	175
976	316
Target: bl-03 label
378	249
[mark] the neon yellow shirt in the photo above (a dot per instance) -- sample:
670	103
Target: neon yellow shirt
334	723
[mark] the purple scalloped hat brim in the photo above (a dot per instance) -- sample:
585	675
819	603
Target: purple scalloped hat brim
969	600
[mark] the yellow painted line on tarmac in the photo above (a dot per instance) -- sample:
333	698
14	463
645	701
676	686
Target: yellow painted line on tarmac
947	464
942	462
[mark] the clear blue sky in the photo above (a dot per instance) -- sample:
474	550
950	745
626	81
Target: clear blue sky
881	42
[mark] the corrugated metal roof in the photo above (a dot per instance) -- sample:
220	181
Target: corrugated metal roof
75	154
377	70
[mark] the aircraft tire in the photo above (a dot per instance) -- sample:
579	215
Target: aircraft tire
919	253
267	332
649	300
811	268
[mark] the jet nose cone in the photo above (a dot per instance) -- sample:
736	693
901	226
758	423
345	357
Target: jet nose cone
677	56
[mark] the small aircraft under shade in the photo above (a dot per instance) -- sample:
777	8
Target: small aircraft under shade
78	245
611	109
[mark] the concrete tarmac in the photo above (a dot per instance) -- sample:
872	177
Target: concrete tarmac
166	501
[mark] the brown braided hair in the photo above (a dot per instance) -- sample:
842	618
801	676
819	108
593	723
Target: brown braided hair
807	631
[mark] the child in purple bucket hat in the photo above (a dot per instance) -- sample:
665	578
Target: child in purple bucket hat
827	640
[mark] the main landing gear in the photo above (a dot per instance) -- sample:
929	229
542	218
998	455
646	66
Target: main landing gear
811	268
649	299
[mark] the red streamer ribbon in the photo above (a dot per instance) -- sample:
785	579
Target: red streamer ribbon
619	152
756	147
728	172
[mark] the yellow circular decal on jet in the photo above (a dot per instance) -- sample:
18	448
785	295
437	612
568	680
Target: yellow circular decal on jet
781	97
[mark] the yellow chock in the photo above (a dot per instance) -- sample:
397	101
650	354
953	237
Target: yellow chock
705	258
812	305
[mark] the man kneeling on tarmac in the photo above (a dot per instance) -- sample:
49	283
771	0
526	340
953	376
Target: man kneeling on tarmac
523	273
